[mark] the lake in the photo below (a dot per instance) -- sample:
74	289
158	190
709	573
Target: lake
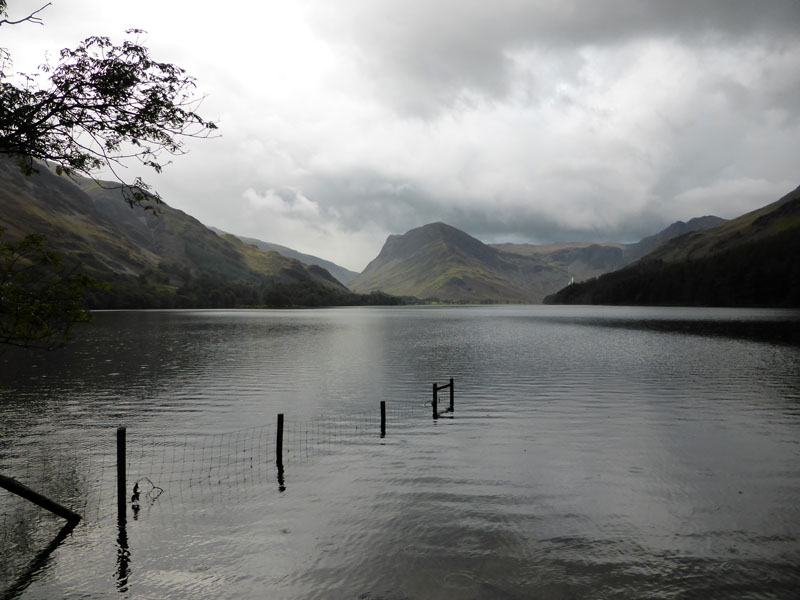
593	452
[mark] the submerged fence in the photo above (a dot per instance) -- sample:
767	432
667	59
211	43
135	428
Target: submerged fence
205	462
129	472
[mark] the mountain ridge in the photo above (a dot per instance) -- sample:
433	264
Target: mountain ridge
173	260
584	260
438	261
747	261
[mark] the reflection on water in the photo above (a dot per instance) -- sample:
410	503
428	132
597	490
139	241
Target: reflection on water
123	554
40	560
593	453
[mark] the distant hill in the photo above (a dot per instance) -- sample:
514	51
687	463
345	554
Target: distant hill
164	260
586	260
580	260
748	261
440	262
343	275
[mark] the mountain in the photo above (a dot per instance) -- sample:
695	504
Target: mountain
748	261
579	260
586	260
164	260
440	262
343	275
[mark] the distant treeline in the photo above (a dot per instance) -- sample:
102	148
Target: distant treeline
764	274
171	286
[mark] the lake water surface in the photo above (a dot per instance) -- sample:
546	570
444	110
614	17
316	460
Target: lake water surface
593	452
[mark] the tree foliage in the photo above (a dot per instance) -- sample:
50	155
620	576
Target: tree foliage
98	107
101	105
40	299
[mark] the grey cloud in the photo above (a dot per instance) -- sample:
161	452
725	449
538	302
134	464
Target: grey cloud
396	206
426	57
522	120
360	196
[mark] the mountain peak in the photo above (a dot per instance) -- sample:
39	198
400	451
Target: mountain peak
440	261
421	238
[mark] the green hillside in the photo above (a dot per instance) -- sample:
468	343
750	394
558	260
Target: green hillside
749	261
150	260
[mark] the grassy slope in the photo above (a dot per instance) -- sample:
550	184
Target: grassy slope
340	273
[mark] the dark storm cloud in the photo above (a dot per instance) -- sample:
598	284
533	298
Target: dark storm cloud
397	206
361	196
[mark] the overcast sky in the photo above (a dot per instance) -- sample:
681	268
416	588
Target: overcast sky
343	121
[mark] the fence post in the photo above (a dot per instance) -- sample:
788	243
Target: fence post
452	395
122	483
435	401
279	454
279	442
383	418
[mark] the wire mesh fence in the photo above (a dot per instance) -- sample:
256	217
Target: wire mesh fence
200	464
187	470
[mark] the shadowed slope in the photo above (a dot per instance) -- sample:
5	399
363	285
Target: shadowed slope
749	261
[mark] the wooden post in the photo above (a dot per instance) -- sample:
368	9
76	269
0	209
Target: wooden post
122	484
279	454
279	442
435	401
15	487
452	395
383	418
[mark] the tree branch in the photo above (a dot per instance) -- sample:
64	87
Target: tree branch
106	104
31	18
